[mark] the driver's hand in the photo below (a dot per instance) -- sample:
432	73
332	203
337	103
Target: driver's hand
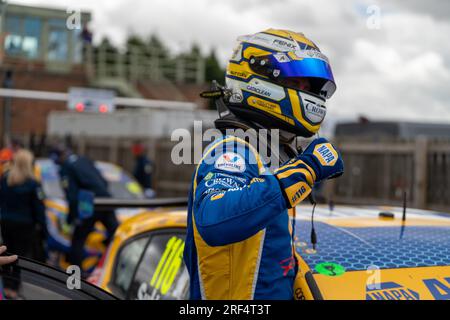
6	260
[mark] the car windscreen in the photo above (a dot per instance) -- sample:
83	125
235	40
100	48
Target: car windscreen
121	185
50	179
160	273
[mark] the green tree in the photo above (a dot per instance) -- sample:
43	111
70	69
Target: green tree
154	42
213	70
107	48
195	51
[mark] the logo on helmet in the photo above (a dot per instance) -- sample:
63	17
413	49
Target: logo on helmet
326	154
259	91
236	97
315	113
285	44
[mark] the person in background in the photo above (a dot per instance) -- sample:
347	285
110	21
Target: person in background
82	181
7	154
143	169
22	212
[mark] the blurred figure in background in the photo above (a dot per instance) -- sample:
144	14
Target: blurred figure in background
7	154
143	169
82	182
22	213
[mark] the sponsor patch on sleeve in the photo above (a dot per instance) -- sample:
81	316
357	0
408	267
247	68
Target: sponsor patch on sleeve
231	162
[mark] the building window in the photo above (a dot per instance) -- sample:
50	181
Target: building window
23	36
58	41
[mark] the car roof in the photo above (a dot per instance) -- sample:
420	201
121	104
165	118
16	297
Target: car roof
356	237
150	220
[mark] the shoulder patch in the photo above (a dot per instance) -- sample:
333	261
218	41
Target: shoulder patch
231	162
209	176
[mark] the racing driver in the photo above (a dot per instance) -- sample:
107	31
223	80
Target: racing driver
239	243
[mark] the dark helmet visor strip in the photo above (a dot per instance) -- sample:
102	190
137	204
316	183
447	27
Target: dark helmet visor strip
312	68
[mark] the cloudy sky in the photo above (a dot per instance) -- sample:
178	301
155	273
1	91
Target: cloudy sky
394	67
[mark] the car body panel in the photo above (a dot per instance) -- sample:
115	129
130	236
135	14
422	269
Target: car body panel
383	258
150	221
42	282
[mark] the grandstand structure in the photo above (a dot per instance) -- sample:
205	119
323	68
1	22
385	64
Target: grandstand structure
45	50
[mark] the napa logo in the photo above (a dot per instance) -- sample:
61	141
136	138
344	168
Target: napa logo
231	162
439	288
390	291
326	154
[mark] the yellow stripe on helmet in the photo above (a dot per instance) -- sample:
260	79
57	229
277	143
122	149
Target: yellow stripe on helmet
300	37
271	108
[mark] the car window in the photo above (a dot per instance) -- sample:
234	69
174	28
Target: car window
27	289
124	190
125	266
161	274
50	179
120	184
34	281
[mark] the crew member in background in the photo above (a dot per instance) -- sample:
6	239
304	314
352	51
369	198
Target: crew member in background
83	182
22	212
7	154
241	214
143	169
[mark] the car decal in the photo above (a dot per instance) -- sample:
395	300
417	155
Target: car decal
390	291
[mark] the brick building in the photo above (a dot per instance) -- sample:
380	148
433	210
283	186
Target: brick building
41	53
48	49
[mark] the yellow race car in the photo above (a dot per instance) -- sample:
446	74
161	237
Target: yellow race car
363	253
121	185
144	261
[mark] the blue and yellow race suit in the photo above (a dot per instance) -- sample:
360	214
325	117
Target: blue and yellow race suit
239	238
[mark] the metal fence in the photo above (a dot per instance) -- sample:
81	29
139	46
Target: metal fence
169	180
381	172
146	64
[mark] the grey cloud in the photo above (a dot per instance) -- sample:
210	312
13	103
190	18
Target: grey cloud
380	73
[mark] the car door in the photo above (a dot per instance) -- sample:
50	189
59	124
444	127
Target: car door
158	272
36	281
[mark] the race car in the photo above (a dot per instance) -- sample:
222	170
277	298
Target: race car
42	282
374	253
145	259
362	253
121	185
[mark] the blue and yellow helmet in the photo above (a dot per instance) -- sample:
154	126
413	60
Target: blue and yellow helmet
262	74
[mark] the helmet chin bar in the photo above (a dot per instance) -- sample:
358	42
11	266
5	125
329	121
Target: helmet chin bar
314	106
228	119
236	115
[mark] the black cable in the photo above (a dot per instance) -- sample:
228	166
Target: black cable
313	229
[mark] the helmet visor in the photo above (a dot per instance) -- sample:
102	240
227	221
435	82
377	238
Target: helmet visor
317	70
